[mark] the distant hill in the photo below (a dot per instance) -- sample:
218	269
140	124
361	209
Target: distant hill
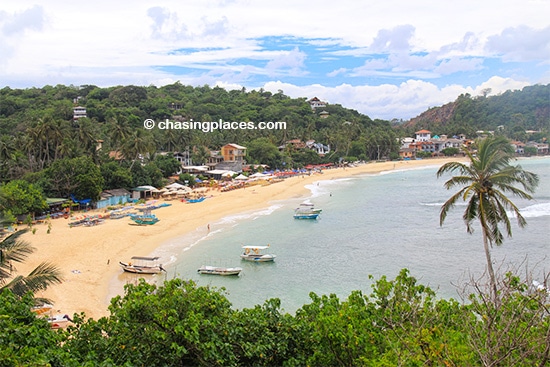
526	109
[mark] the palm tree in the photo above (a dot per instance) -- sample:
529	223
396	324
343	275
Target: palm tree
485	181
12	249
139	142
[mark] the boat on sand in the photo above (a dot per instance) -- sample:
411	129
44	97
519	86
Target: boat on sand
142	265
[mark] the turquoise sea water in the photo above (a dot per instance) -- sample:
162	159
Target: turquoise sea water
370	225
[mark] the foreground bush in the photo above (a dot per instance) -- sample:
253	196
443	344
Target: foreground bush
401	323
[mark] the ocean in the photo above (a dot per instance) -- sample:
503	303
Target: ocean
374	224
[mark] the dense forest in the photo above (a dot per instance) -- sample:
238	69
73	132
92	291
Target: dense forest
40	140
42	118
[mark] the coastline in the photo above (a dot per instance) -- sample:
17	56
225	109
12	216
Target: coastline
88	256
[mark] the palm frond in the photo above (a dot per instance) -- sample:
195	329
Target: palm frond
14	249
39	279
448	205
451	167
471	213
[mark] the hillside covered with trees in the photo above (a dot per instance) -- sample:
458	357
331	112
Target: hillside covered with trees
512	113
44	148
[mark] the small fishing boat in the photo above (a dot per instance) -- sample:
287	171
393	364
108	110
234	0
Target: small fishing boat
255	253
306	211
145	218
219	270
59	321
142	265
120	213
198	200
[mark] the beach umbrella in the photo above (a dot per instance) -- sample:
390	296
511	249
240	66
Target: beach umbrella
175	186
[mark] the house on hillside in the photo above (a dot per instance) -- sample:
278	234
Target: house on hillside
184	158
324	114
214	159
542	149
316	103
407	153
519	147
79	112
294	144
423	135
233	157
319	148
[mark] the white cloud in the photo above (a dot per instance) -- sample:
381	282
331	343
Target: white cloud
394	49
292	61
388	101
521	43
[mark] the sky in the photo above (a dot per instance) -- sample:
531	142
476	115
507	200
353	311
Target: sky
390	59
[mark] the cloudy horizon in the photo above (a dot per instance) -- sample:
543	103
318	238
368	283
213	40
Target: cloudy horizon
387	60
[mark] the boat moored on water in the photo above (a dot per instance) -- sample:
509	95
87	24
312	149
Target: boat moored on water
142	265
256	253
306	211
219	270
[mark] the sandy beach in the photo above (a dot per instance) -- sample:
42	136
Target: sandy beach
88	256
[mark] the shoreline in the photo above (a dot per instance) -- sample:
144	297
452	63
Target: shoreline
88	256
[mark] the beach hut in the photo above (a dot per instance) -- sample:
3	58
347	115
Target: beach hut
142	192
113	197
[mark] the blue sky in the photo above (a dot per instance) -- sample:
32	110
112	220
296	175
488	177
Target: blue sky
390	59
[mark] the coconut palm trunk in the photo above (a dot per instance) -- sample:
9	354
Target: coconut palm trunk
490	269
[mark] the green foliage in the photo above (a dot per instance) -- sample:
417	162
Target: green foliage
511	113
28	340
401	323
515	330
14	250
168	165
177	324
78	176
115	176
263	151
20	197
450	151
187	179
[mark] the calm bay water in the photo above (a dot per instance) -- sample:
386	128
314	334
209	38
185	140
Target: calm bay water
370	225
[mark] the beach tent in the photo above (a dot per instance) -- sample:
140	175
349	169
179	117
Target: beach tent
228	174
175	186
259	175
241	177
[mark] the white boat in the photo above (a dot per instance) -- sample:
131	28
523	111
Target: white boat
59	321
219	270
255	253
142	265
306	211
